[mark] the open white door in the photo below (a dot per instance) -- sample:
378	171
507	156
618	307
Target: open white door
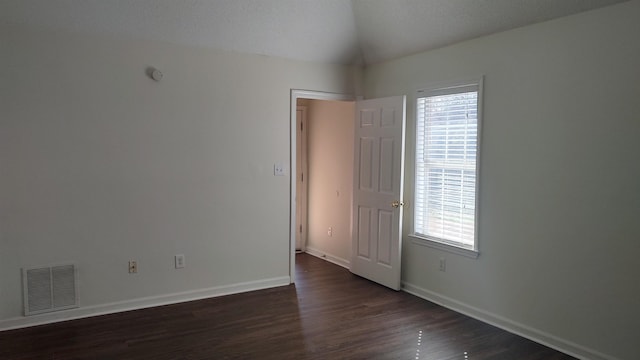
378	189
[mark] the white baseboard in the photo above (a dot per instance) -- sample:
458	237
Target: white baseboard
328	257
541	337
141	303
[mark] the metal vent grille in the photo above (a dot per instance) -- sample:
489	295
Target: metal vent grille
49	288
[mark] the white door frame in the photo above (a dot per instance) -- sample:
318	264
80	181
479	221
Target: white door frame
295	95
301	183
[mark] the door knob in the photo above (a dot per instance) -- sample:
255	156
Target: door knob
397	203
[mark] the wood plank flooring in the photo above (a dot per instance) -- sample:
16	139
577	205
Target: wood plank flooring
329	314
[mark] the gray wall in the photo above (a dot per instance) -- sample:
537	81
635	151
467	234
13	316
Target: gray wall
559	199
100	165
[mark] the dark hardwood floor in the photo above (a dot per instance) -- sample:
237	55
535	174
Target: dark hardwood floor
329	314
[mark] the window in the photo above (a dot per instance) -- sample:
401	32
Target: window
447	148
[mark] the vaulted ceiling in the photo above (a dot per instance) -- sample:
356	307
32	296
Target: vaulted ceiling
335	31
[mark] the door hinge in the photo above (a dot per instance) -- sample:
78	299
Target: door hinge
301	126
301	177
300	228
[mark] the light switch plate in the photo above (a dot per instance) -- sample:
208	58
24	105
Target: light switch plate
179	260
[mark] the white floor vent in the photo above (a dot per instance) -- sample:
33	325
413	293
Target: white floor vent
49	288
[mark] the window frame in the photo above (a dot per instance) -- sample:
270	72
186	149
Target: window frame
445	88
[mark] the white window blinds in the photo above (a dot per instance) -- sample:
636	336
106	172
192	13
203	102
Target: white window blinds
446	154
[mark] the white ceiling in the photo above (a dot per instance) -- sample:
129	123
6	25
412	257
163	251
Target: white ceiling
335	31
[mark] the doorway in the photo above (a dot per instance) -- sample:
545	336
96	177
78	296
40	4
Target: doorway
308	99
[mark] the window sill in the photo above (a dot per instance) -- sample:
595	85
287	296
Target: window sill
419	240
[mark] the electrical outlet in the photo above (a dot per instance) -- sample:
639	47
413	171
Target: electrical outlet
278	169
133	267
443	264
330	231
180	263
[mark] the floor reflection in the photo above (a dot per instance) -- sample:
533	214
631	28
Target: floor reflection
437	352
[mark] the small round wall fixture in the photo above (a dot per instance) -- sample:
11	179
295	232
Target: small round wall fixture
156	75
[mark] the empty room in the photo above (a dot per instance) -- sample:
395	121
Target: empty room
319	179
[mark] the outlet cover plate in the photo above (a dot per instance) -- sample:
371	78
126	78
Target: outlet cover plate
279	169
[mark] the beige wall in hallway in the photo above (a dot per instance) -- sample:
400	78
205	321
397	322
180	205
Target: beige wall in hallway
330	177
